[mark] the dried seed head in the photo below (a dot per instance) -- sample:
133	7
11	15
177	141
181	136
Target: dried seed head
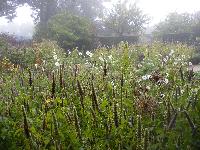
94	99
181	74
77	125
55	122
146	132
26	128
80	93
53	87
139	128
146	105
44	124
168	112
191	123
116	115
30	78
94	117
105	69
173	121
61	75
122	80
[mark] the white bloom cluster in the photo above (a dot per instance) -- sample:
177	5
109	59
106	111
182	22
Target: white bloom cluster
57	64
110	57
166	59
36	66
146	77
101	58
80	54
171	52
69	52
89	54
55	57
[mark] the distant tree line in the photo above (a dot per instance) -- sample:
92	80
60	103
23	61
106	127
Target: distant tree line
182	27
75	23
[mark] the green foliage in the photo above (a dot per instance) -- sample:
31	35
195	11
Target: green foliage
10	49
176	23
70	31
126	18
45	54
125	97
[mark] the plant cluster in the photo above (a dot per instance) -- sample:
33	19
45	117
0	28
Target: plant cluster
124	97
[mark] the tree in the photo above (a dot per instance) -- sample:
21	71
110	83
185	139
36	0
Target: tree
175	23
44	9
91	9
196	24
87	8
70	30
126	18
8	8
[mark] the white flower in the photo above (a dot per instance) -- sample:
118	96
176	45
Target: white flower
36	66
43	69
110	57
190	64
57	64
166	59
148	87
182	91
89	54
100	58
146	77
80	53
113	84
175	63
139	65
166	81
162	95
55	57
171	53
179	59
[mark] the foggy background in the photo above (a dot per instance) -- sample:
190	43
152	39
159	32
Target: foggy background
157	10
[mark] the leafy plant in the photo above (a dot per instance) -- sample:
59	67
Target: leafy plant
125	97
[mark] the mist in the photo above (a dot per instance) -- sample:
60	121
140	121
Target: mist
21	26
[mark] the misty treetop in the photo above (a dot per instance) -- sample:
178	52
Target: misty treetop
176	23
126	19
123	19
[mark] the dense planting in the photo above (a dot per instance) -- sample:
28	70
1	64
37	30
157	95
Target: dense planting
129	97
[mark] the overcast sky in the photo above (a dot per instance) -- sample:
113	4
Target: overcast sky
156	9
